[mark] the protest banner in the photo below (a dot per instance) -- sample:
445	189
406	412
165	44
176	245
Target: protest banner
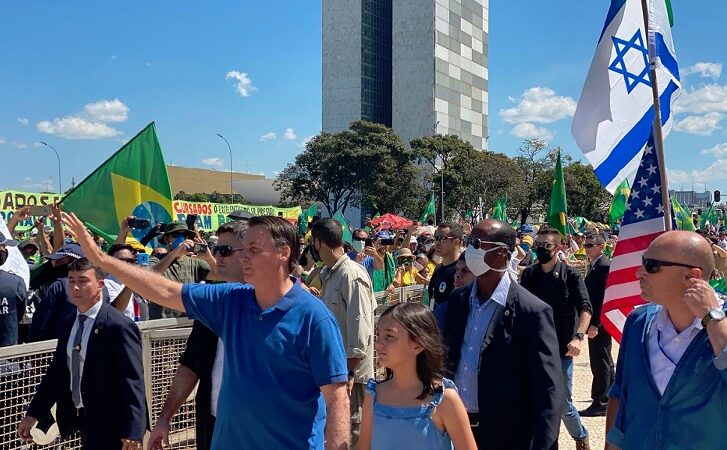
11	201
212	215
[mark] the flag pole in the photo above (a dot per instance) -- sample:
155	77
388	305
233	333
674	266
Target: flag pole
658	135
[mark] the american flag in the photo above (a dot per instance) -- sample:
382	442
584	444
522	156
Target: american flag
643	221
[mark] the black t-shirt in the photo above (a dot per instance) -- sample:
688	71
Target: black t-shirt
12	307
442	283
564	290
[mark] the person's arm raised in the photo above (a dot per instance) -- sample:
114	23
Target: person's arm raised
146	283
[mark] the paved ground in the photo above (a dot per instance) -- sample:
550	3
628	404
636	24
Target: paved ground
582	397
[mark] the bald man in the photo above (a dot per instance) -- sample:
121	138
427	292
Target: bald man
670	390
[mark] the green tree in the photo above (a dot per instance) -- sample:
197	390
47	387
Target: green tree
586	195
536	161
365	165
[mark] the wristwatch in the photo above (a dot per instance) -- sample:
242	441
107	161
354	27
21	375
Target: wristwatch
580	336
714	315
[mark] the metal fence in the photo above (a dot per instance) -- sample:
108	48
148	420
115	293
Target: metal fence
163	341
23	366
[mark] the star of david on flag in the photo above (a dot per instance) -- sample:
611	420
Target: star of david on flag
619	65
642	223
615	114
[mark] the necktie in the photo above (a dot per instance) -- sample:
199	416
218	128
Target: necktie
76	362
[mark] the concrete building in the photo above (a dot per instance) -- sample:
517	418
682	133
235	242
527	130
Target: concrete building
193	180
418	66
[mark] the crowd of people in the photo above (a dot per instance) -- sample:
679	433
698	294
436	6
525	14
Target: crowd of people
284	337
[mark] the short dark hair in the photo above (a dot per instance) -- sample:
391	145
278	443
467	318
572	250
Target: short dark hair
359	230
114	249
549	231
82	265
598	238
328	231
236	227
282	233
455	229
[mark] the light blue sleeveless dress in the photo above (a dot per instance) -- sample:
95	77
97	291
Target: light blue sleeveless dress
398	428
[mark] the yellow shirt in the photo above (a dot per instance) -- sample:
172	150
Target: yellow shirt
409	277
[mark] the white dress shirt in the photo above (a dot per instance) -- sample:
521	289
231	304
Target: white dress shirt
87	326
667	346
217	376
113	288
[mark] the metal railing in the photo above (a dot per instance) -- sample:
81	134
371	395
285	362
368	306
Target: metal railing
22	367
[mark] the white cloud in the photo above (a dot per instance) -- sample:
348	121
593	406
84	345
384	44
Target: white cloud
214	162
113	56
19	145
719	150
23	120
108	110
705	99
148	64
31	185
527	130
305	141
269	136
72	127
243	84
2	141
539	105
705	70
700	125
289	134
717	171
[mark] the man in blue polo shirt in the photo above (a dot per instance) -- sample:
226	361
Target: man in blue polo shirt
284	383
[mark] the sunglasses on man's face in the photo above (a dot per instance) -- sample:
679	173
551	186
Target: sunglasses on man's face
654	265
545	245
441	237
224	250
590	245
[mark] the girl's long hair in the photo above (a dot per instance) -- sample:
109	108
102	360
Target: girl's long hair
422	327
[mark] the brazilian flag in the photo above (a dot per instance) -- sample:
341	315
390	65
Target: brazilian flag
132	182
558	204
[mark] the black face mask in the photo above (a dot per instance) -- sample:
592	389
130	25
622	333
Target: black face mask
544	255
314	253
3	256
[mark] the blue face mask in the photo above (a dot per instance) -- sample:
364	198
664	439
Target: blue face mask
176	243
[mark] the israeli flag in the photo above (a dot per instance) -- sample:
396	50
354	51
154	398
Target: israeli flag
615	114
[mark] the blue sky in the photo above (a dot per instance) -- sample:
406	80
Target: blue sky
86	76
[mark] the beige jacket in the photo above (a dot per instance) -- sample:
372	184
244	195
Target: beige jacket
348	292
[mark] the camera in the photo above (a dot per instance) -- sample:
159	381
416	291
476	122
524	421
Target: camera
199	248
138	223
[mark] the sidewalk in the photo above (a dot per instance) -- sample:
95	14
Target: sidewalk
582	398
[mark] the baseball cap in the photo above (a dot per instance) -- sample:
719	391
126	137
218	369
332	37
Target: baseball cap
413	240
7	242
72	250
27	242
240	214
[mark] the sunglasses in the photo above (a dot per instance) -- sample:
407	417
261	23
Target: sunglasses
442	237
224	250
589	245
477	243
653	265
177	234
545	245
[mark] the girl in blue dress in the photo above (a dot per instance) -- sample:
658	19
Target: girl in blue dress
415	407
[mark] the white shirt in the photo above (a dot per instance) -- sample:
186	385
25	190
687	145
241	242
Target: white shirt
667	346
113	288
217	377
87	326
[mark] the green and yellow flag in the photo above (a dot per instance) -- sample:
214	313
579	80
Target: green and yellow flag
499	211
430	210
132	182
347	236
558	204
306	217
618	205
682	216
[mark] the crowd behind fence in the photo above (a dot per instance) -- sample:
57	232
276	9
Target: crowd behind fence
163	341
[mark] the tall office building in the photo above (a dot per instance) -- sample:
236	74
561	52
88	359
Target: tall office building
418	66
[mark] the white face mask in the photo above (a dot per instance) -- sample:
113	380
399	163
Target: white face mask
358	246
475	259
428	246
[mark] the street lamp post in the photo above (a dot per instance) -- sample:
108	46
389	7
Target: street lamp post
60	182
441	173
232	193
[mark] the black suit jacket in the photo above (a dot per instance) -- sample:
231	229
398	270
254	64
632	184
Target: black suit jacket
596	285
112	384
520	385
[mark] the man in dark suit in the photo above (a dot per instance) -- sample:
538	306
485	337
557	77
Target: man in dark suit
96	377
503	349
599	342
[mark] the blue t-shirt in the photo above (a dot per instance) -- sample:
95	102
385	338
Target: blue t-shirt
275	361
367	262
12	306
